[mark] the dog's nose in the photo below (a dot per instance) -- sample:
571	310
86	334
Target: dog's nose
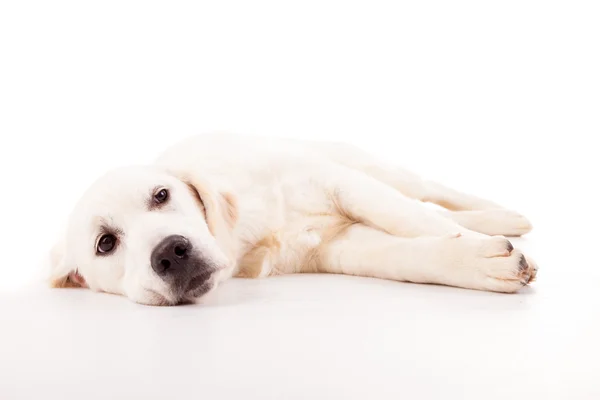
170	255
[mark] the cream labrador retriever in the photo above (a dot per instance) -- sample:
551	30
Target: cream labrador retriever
220	205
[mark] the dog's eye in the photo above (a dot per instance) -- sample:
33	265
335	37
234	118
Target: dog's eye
161	196
106	244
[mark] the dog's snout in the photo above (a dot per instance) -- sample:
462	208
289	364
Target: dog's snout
170	255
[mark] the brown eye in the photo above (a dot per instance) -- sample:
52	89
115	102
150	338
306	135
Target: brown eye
161	196
106	244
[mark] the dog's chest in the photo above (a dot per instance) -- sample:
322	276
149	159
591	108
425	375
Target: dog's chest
282	251
282	214
281	228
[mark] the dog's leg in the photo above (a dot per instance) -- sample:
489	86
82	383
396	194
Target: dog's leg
359	197
417	188
471	212
483	263
496	220
491	222
407	182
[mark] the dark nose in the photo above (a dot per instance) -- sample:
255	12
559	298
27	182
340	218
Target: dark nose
171	255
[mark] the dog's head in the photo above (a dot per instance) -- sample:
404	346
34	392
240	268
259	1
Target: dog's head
157	237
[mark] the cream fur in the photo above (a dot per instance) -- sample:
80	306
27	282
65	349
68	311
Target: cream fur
276	206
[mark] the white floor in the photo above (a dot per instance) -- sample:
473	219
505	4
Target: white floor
315	337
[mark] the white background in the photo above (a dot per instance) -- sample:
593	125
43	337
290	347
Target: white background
501	99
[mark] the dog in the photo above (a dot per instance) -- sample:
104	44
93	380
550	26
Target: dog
216	206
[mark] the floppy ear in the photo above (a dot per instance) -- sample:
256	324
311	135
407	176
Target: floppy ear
62	275
220	207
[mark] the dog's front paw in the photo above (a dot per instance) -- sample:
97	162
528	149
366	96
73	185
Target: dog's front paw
492	264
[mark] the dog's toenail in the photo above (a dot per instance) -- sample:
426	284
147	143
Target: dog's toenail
523	263
509	246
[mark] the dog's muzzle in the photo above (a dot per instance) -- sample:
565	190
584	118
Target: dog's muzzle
175	261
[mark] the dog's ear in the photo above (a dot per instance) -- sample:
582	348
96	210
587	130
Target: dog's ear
227	203
219	205
62	274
